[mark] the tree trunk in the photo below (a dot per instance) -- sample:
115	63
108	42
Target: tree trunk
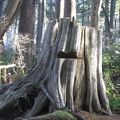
83	12
26	32
119	21
68	75
107	23
95	13
59	10
41	25
70	9
7	18
112	12
108	34
51	9
1	7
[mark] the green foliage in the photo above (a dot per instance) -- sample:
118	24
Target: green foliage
110	87
19	73
114	98
111	64
111	61
7	57
115	103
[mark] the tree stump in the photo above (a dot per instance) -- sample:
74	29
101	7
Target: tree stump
67	76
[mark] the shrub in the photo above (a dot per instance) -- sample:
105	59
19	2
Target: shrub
7	56
111	66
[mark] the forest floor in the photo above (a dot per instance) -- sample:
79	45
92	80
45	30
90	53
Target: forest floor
93	116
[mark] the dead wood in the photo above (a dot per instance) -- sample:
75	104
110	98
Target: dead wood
58	81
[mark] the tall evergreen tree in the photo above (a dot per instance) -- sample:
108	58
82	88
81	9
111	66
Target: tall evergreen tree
26	33
1	6
40	25
70	8
112	12
95	12
59	10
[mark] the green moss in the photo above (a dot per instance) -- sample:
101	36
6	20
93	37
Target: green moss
57	115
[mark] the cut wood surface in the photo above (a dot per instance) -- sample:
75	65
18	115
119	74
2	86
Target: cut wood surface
69	46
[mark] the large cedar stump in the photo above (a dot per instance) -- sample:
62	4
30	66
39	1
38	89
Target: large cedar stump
68	74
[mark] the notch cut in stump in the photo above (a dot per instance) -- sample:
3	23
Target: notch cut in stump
55	82
69	46
72	55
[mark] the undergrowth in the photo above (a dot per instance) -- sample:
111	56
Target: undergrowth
111	73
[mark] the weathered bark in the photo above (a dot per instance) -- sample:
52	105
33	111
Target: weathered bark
41	25
95	13
51	9
8	17
83	12
101	86
70	9
59	9
70	81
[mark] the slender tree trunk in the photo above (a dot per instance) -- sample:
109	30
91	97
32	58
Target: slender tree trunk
26	32
59	10
7	18
107	26
112	12
1	7
108	34
88	15
119	21
41	25
95	13
70	9
83	13
51	6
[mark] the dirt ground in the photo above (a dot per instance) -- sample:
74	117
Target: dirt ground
93	116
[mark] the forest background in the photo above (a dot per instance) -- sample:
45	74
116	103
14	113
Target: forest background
109	24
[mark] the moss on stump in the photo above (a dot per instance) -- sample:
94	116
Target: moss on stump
57	115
